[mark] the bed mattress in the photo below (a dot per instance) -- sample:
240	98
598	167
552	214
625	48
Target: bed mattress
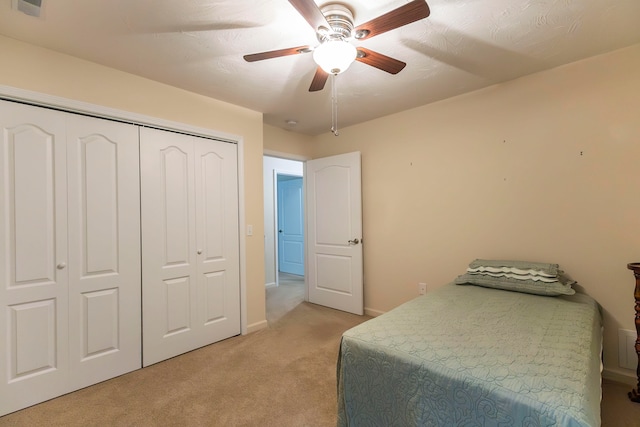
467	356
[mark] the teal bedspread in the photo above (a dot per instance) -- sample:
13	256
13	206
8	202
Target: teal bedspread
472	356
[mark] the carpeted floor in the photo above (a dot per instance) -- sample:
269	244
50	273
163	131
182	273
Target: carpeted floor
281	376
617	409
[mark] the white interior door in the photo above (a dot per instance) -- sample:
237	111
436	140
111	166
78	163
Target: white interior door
33	256
190	243
334	232
104	249
290	226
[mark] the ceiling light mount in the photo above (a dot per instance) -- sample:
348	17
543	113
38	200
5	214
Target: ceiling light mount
340	18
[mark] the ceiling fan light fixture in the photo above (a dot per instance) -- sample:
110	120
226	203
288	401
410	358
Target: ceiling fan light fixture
335	56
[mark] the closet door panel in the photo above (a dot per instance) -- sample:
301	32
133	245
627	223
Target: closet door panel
32	197
218	239
176	185
170	317
104	249
190	242
33	256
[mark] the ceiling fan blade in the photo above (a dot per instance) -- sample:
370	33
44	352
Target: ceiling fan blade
319	80
311	13
277	53
410	12
380	61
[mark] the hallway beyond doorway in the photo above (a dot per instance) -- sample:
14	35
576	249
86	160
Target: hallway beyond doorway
285	297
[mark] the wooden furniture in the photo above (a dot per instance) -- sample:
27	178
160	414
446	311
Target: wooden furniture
634	394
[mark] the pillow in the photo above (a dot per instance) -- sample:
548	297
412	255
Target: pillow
514	273
519	276
552	270
525	286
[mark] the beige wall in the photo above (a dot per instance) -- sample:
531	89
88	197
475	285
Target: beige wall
543	168
279	142
32	68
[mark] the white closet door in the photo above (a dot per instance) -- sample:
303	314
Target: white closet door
168	244
69	253
217	239
104	249
33	256
189	243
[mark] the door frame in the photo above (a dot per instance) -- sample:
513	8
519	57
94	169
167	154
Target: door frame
274	225
303	160
24	96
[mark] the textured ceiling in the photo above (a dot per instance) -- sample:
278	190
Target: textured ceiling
198	45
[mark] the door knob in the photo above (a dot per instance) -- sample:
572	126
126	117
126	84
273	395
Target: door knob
279	231
61	266
199	251
354	241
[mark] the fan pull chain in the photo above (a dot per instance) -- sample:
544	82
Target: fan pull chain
334	105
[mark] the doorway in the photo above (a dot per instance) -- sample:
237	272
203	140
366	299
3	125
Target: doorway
284	251
333	270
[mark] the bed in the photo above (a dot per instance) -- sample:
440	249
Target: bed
475	355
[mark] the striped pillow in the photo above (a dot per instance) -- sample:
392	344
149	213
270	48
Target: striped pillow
518	276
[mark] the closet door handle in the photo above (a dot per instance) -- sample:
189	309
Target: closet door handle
199	251
61	266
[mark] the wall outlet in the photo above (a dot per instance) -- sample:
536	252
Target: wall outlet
627	356
422	288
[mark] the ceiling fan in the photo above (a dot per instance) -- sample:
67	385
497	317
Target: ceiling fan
333	24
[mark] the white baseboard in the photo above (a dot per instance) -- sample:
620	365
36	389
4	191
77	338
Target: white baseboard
620	377
271	285
373	313
255	327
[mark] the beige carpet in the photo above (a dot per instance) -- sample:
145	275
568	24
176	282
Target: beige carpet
617	409
281	376
284	298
